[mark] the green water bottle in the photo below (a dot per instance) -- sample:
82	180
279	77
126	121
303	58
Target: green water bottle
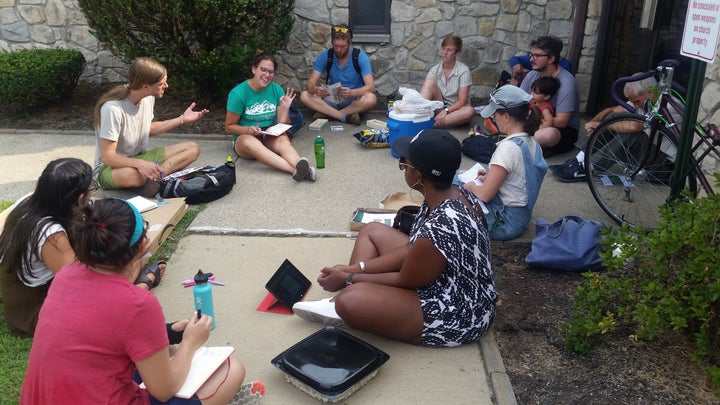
319	152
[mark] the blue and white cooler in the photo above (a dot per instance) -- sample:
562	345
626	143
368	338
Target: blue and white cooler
407	124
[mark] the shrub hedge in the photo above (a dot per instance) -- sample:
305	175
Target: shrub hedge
206	45
32	78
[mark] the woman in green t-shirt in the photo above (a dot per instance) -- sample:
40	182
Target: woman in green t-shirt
253	106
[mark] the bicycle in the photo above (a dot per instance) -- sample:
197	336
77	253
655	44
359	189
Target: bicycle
630	175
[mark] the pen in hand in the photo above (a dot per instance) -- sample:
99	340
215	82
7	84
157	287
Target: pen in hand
161	173
199	315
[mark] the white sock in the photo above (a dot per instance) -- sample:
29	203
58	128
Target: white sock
580	157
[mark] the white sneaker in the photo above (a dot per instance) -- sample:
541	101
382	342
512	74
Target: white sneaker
322	311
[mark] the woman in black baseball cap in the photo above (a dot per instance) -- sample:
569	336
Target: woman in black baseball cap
432	288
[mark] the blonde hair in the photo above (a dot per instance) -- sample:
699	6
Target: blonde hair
142	71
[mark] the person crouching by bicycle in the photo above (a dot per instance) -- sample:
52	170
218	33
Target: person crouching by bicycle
512	183
639	94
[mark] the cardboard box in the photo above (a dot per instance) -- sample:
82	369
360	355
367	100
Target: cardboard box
376	124
398	200
162	220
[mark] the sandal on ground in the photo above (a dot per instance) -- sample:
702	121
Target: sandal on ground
154	269
249	394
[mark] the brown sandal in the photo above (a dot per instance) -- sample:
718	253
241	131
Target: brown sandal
154	269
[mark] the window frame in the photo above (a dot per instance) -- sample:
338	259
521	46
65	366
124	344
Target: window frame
369	33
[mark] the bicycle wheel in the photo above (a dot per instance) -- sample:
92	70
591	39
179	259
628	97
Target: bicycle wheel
628	177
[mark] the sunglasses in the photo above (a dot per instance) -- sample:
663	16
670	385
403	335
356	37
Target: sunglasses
402	165
344	30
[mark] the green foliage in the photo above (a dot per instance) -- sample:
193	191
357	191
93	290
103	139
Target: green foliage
32	78
666	281
4	204
14	352
207	45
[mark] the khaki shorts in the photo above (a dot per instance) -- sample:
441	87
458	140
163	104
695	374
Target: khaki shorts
105	172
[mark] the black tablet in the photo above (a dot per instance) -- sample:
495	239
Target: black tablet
288	285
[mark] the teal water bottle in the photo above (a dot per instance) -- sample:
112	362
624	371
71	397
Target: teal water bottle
203	295
320	152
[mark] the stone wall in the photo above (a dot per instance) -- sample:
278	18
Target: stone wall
28	24
492	32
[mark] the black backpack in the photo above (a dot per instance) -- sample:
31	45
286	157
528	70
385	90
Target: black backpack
200	184
331	56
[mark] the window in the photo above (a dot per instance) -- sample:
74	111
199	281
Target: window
370	20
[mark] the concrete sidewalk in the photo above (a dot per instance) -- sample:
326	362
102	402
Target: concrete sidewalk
268	217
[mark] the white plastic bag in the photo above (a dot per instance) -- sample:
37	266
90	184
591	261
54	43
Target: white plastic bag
413	103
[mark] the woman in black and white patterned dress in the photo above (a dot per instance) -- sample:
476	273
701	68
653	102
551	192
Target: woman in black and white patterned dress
433	288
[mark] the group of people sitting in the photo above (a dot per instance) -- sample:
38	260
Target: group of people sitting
444	262
124	116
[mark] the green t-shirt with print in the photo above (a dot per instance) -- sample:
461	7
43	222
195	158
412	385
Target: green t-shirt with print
255	107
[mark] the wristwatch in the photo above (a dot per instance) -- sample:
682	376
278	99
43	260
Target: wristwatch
447	110
349	279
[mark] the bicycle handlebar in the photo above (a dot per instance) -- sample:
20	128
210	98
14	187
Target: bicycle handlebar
641	76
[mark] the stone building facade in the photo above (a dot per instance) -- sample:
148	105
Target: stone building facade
492	31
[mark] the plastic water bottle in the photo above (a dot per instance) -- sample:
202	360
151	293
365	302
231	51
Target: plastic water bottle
202	292
320	152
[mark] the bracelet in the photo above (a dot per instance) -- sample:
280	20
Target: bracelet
182	119
362	266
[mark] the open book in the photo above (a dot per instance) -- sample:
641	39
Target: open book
205	362
276	130
333	89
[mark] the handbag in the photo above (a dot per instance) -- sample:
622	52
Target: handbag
405	217
570	243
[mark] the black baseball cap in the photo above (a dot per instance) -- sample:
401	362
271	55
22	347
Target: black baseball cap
434	152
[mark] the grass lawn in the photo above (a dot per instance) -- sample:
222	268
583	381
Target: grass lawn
14	351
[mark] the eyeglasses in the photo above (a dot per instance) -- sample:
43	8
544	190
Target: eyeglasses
402	165
94	186
537	55
344	30
267	71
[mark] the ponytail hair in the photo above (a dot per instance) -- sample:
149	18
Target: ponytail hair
108	233
142	71
529	116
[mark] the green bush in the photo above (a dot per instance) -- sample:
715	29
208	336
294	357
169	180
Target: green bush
32	78
207	45
665	281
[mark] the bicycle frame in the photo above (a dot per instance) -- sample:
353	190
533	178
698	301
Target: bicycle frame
660	115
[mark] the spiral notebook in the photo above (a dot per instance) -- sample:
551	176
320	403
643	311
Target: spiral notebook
205	362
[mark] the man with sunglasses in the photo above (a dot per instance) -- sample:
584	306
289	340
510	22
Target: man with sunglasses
544	57
356	93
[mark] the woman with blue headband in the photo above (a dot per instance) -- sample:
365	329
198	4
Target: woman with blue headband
35	242
96	329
